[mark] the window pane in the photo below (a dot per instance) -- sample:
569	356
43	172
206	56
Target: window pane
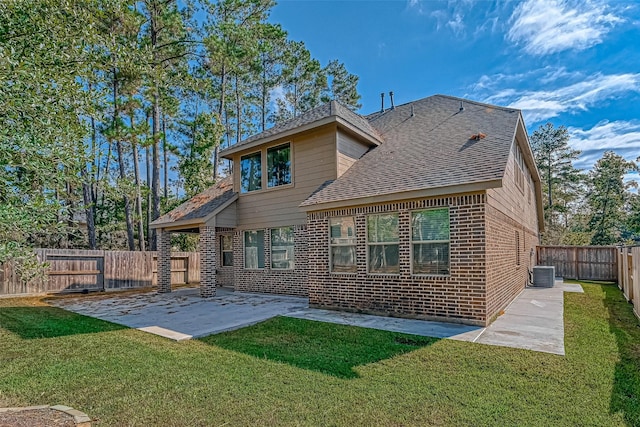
227	243
226	246
227	259
343	259
431	258
251	173
279	166
382	228
383	259
282	248
431	224
343	231
254	249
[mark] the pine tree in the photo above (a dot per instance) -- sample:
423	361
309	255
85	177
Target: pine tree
561	181
607	198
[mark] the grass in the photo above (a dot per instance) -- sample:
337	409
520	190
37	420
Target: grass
294	372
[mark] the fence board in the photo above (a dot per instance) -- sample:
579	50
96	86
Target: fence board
635	294
581	262
108	270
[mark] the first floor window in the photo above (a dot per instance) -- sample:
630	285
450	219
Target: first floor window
342	244
382	243
226	249
254	249
282	248
430	241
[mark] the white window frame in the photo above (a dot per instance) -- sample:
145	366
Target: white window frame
370	244
332	245
292	261
413	242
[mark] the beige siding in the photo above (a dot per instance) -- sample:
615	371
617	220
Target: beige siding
512	201
349	150
228	217
512	236
314	156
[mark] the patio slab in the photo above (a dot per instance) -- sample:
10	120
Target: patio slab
183	314
533	321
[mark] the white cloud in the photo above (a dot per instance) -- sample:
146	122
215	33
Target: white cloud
621	136
607	135
542	105
549	26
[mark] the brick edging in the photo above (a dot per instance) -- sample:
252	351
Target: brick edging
79	418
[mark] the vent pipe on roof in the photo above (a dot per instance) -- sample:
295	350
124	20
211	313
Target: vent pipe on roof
382	102
412	113
391	96
461	106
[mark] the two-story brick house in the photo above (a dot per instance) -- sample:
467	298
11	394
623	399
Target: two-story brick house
431	210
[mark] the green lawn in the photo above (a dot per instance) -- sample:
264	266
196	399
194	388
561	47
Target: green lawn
294	372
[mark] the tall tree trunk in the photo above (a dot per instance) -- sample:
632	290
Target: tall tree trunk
136	174
123	174
149	201
155	130
165	158
88	191
221	111
238	113
264	93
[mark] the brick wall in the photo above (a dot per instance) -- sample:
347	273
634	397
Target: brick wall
459	297
164	261
208	248
268	280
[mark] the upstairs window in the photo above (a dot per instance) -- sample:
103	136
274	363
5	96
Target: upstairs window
250	172
282	248
342	244
430	241
254	249
382	243
279	166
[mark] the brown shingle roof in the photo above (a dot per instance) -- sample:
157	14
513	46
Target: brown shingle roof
324	111
430	149
201	205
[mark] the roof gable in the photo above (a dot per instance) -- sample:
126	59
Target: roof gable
427	145
327	113
200	207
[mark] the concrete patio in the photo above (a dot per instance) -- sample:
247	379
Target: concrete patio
533	321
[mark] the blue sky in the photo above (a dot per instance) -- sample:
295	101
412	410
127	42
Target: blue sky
573	63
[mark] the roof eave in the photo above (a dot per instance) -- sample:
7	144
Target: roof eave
374	140
472	187
196	222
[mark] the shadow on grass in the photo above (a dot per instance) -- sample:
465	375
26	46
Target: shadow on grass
625	326
50	322
318	346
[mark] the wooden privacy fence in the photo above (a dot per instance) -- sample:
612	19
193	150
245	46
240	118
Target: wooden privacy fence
84	270
581	262
629	273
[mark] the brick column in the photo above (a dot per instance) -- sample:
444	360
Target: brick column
208	248
164	261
